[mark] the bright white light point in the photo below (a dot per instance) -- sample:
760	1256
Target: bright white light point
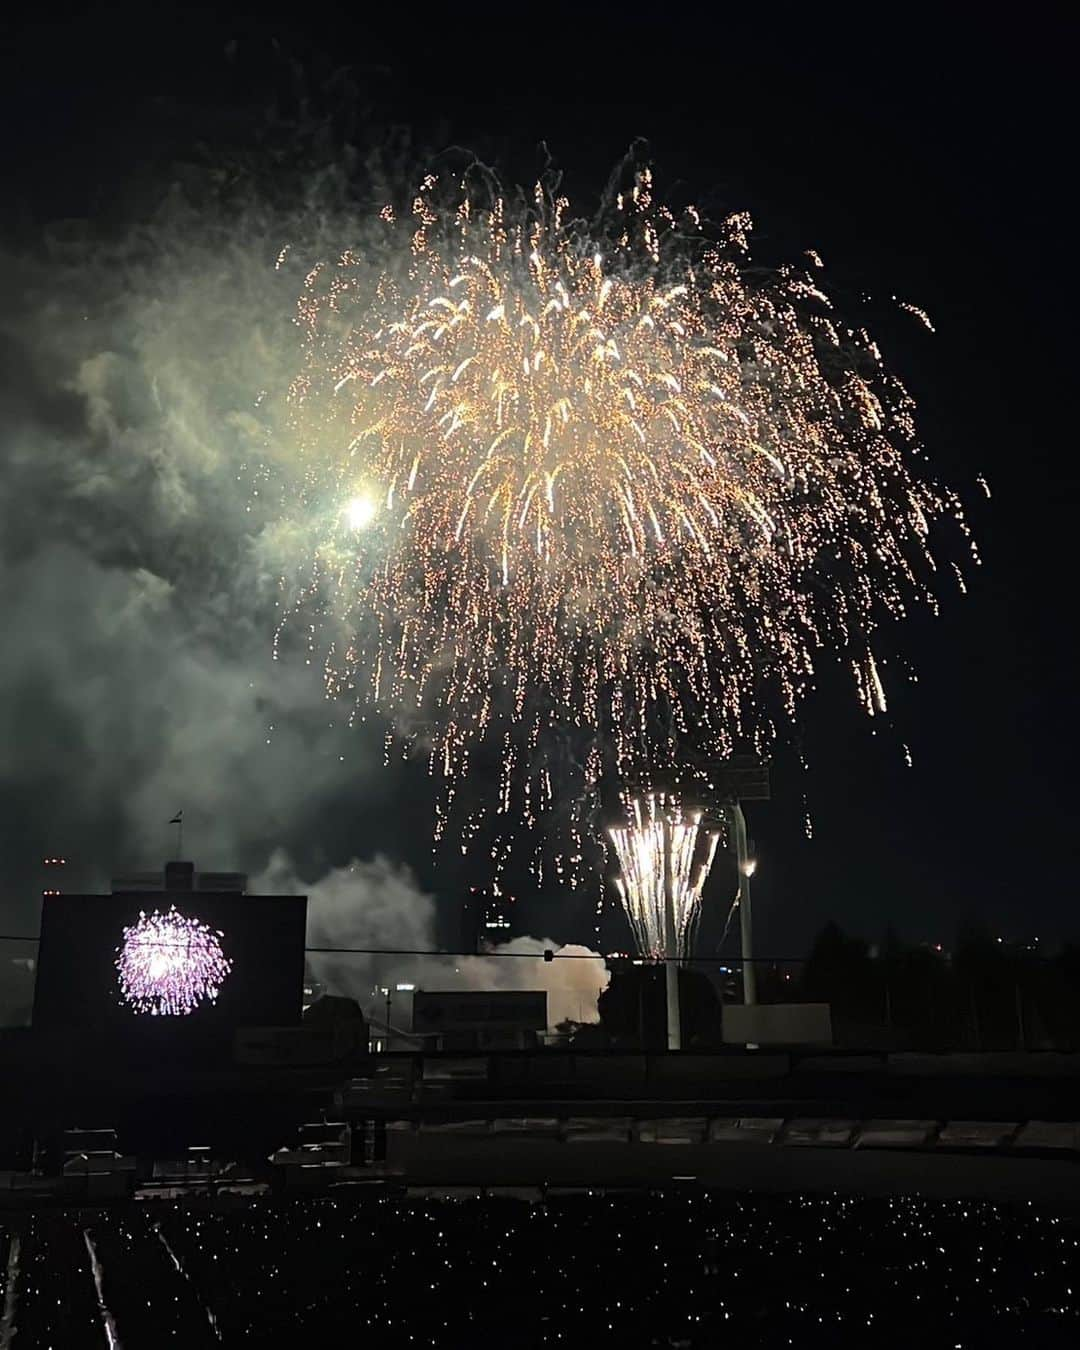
360	512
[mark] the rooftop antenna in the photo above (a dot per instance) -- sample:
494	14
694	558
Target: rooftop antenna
178	821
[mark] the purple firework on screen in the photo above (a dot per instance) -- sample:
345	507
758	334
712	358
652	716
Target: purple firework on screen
169	963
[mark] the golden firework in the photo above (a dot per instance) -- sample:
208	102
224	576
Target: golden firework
596	483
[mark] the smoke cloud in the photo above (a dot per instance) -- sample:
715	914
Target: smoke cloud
378	904
144	366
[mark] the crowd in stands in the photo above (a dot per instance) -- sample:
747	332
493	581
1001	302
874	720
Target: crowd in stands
683	1268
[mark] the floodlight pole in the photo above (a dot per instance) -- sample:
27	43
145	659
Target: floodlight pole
671	965
746	928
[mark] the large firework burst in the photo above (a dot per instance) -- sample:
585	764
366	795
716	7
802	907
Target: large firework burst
168	964
594	494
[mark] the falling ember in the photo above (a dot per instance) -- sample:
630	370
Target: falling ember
876	687
639	847
628	492
169	963
919	314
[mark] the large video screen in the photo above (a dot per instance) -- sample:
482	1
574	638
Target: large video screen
191	959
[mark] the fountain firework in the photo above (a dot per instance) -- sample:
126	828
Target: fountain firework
639	847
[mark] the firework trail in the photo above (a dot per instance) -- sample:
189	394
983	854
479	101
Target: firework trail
180	1270
108	1324
592	495
169	963
8	1328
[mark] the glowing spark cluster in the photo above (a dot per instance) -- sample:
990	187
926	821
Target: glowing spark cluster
639	847
169	963
598	495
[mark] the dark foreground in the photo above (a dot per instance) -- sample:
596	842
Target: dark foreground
678	1268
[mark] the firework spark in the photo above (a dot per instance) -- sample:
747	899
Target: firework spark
168	964
639	847
594	495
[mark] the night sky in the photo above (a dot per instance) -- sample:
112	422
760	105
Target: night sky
920	160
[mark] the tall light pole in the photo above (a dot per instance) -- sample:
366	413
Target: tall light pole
671	949
746	866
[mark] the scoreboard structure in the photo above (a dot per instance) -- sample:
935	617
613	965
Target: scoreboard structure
170	951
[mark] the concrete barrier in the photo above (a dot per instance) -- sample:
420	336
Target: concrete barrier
819	1133
458	1127
674	1130
839	1064
976	1133
527	1127
445	1070
607	1070
991	1064
894	1133
594	1130
777	1024
747	1130
1050	1134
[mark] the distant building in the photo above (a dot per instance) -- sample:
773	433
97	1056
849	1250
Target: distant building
474	1019
472	916
728	981
485	918
496	926
179	877
53	872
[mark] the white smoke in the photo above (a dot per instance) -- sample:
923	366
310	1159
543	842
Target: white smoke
144	374
143	377
377	905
